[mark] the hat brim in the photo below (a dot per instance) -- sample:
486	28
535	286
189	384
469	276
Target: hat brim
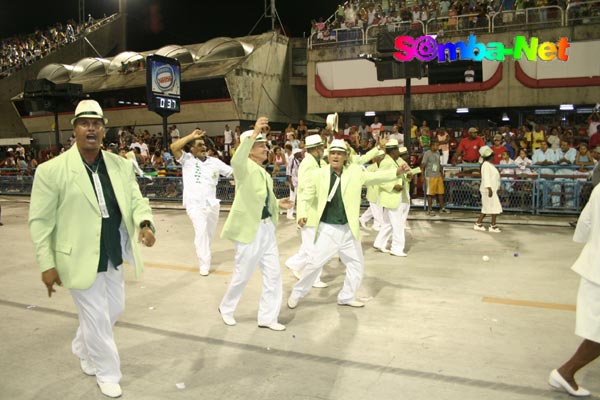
89	116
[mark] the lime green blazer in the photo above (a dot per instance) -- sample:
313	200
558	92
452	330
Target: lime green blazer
65	220
303	209
353	178
252	183
388	197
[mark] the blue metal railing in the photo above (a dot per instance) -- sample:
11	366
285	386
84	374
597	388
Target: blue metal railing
564	192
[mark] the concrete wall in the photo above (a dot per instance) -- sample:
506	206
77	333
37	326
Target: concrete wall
107	40
269	92
508	93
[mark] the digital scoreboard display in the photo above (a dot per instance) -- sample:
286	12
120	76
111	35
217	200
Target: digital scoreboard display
163	84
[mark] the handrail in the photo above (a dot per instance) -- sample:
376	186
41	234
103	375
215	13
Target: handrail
577	6
339	37
393	27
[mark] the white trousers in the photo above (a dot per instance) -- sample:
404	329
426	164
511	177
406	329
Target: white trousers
334	239
204	219
300	260
98	308
262	251
374	211
290	211
394	222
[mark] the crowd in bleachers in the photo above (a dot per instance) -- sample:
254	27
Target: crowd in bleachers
19	51
366	13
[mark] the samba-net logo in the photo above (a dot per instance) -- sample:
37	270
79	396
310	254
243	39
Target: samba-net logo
426	48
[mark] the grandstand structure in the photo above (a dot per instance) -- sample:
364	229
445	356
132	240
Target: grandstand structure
232	80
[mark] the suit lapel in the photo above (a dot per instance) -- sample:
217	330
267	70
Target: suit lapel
81	178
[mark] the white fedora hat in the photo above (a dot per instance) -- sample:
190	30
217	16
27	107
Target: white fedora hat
332	122
338	145
390	144
247	134
313	141
88	109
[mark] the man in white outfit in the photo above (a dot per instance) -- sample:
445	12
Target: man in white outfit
337	190
291	173
251	226
374	211
394	198
200	179
313	161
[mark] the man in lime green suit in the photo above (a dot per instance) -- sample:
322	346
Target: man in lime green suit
85	211
337	191
251	226
313	161
394	198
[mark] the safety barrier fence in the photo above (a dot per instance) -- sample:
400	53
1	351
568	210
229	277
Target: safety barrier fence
585	12
535	190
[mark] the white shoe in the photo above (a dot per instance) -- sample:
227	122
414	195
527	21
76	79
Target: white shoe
557	381
274	327
352	303
364	225
320	284
494	228
398	254
381	250
291	217
204	272
228	319
292	302
87	367
478	227
110	389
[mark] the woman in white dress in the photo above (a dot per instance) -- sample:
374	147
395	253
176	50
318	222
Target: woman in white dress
490	183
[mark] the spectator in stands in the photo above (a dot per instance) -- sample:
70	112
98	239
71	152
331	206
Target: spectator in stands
397	135
144	151
583	160
443	139
364	146
498	148
523	162
544	156
302	130
595	138
227	140
434	178
293	141
289	129
593	122
278	161
554	138
174	133
507	172
470	74
363	131
468	148
490	184
375	129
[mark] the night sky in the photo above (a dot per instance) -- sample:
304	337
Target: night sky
155	23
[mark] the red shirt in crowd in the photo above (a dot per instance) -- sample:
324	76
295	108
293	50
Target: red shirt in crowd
471	147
